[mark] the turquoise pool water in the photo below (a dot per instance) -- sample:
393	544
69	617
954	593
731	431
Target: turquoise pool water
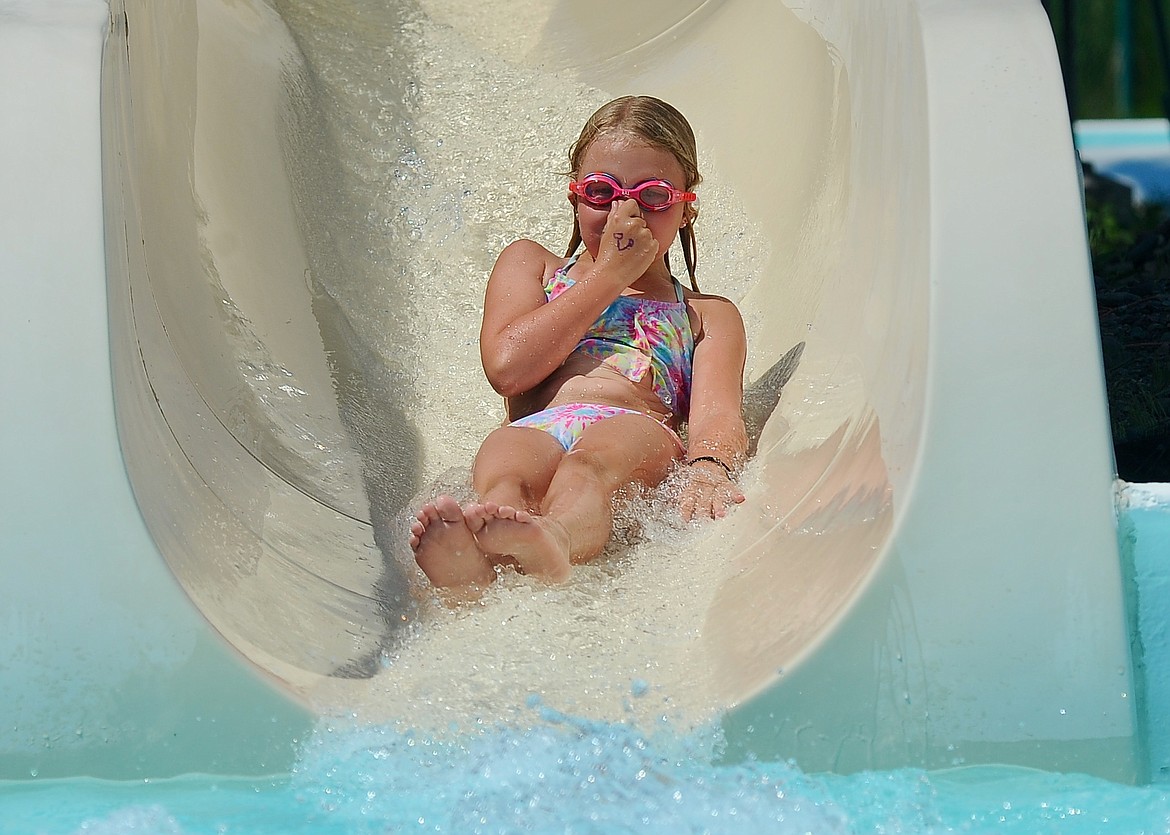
1119	135
1134	151
574	776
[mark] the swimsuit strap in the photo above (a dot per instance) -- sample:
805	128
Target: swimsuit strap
559	281
568	265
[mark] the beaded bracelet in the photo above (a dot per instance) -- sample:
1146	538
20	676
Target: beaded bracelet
697	458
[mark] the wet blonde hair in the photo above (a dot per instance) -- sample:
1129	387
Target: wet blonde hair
659	125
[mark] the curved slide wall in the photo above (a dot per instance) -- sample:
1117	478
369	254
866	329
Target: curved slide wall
926	571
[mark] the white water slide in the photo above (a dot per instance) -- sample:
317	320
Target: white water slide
207	459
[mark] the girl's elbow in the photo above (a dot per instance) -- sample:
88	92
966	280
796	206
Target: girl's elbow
513	372
507	387
505	380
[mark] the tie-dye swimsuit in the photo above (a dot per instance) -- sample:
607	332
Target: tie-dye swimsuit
632	336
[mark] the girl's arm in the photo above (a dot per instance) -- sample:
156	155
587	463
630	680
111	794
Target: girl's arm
523	338
717	439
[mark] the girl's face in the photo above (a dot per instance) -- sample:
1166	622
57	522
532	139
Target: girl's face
630	160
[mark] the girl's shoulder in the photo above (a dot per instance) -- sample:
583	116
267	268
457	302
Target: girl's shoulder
526	247
529	258
713	312
708	301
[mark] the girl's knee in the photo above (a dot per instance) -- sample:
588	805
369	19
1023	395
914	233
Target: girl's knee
504	488
594	466
518	462
618	462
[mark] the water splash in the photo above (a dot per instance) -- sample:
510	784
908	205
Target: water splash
565	774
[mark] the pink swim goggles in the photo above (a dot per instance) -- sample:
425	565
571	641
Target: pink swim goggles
600	190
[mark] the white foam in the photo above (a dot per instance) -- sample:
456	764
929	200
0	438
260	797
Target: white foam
1143	496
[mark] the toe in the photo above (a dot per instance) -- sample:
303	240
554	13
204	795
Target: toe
476	516
448	509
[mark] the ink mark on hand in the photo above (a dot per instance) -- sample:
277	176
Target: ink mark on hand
622	243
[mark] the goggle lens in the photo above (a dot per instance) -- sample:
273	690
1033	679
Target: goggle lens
598	191
654	196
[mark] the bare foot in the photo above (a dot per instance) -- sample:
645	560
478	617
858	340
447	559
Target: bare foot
539	545
445	548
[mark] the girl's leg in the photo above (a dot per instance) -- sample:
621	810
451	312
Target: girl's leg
515	464
575	519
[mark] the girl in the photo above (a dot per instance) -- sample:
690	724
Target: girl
600	355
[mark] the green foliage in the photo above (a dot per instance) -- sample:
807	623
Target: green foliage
1112	231
1106	233
1115	66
